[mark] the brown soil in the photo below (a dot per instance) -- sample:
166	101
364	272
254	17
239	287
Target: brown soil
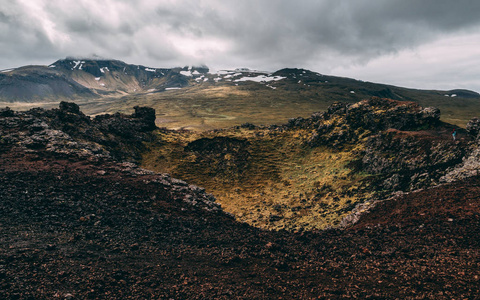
80	230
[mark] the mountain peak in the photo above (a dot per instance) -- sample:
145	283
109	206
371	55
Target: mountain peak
74	63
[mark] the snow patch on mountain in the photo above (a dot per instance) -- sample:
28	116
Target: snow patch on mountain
186	73
78	63
260	78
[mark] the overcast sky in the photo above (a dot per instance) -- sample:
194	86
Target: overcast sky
431	44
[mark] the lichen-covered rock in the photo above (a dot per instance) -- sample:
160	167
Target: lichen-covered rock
345	123
409	160
68	131
405	146
145	117
430	114
473	127
393	150
469	167
6	112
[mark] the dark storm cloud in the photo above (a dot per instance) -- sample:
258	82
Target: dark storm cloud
360	29
257	33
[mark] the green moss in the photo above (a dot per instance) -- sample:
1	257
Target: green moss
278	173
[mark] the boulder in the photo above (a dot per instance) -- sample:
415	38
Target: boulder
69	107
473	127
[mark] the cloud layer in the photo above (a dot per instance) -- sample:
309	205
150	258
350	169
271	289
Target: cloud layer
350	37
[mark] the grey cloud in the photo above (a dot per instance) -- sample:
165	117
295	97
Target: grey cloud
358	28
21	38
261	33
344	26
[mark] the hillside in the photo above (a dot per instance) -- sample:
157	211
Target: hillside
195	98
79	222
92	78
39	83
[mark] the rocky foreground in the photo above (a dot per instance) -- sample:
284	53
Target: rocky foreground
77	224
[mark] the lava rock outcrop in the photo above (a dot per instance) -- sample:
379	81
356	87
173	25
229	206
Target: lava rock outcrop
346	123
404	146
67	130
67	134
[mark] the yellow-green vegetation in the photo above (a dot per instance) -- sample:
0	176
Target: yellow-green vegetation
203	107
267	178
207	107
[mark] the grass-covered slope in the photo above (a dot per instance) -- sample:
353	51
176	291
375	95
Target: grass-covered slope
312	172
267	178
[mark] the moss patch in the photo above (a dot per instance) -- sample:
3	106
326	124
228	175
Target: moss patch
267	178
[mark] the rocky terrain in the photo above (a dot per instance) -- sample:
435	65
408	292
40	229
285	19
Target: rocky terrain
81	221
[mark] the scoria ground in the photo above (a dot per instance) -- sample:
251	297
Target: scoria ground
78	224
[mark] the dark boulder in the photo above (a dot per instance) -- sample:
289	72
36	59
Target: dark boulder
69	107
146	117
473	127
6	112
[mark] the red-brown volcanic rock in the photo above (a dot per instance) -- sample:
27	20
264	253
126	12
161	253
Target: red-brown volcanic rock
74	229
75	224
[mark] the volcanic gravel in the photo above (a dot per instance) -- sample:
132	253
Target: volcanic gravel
74	229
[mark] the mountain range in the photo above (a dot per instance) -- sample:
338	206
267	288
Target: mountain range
196	98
